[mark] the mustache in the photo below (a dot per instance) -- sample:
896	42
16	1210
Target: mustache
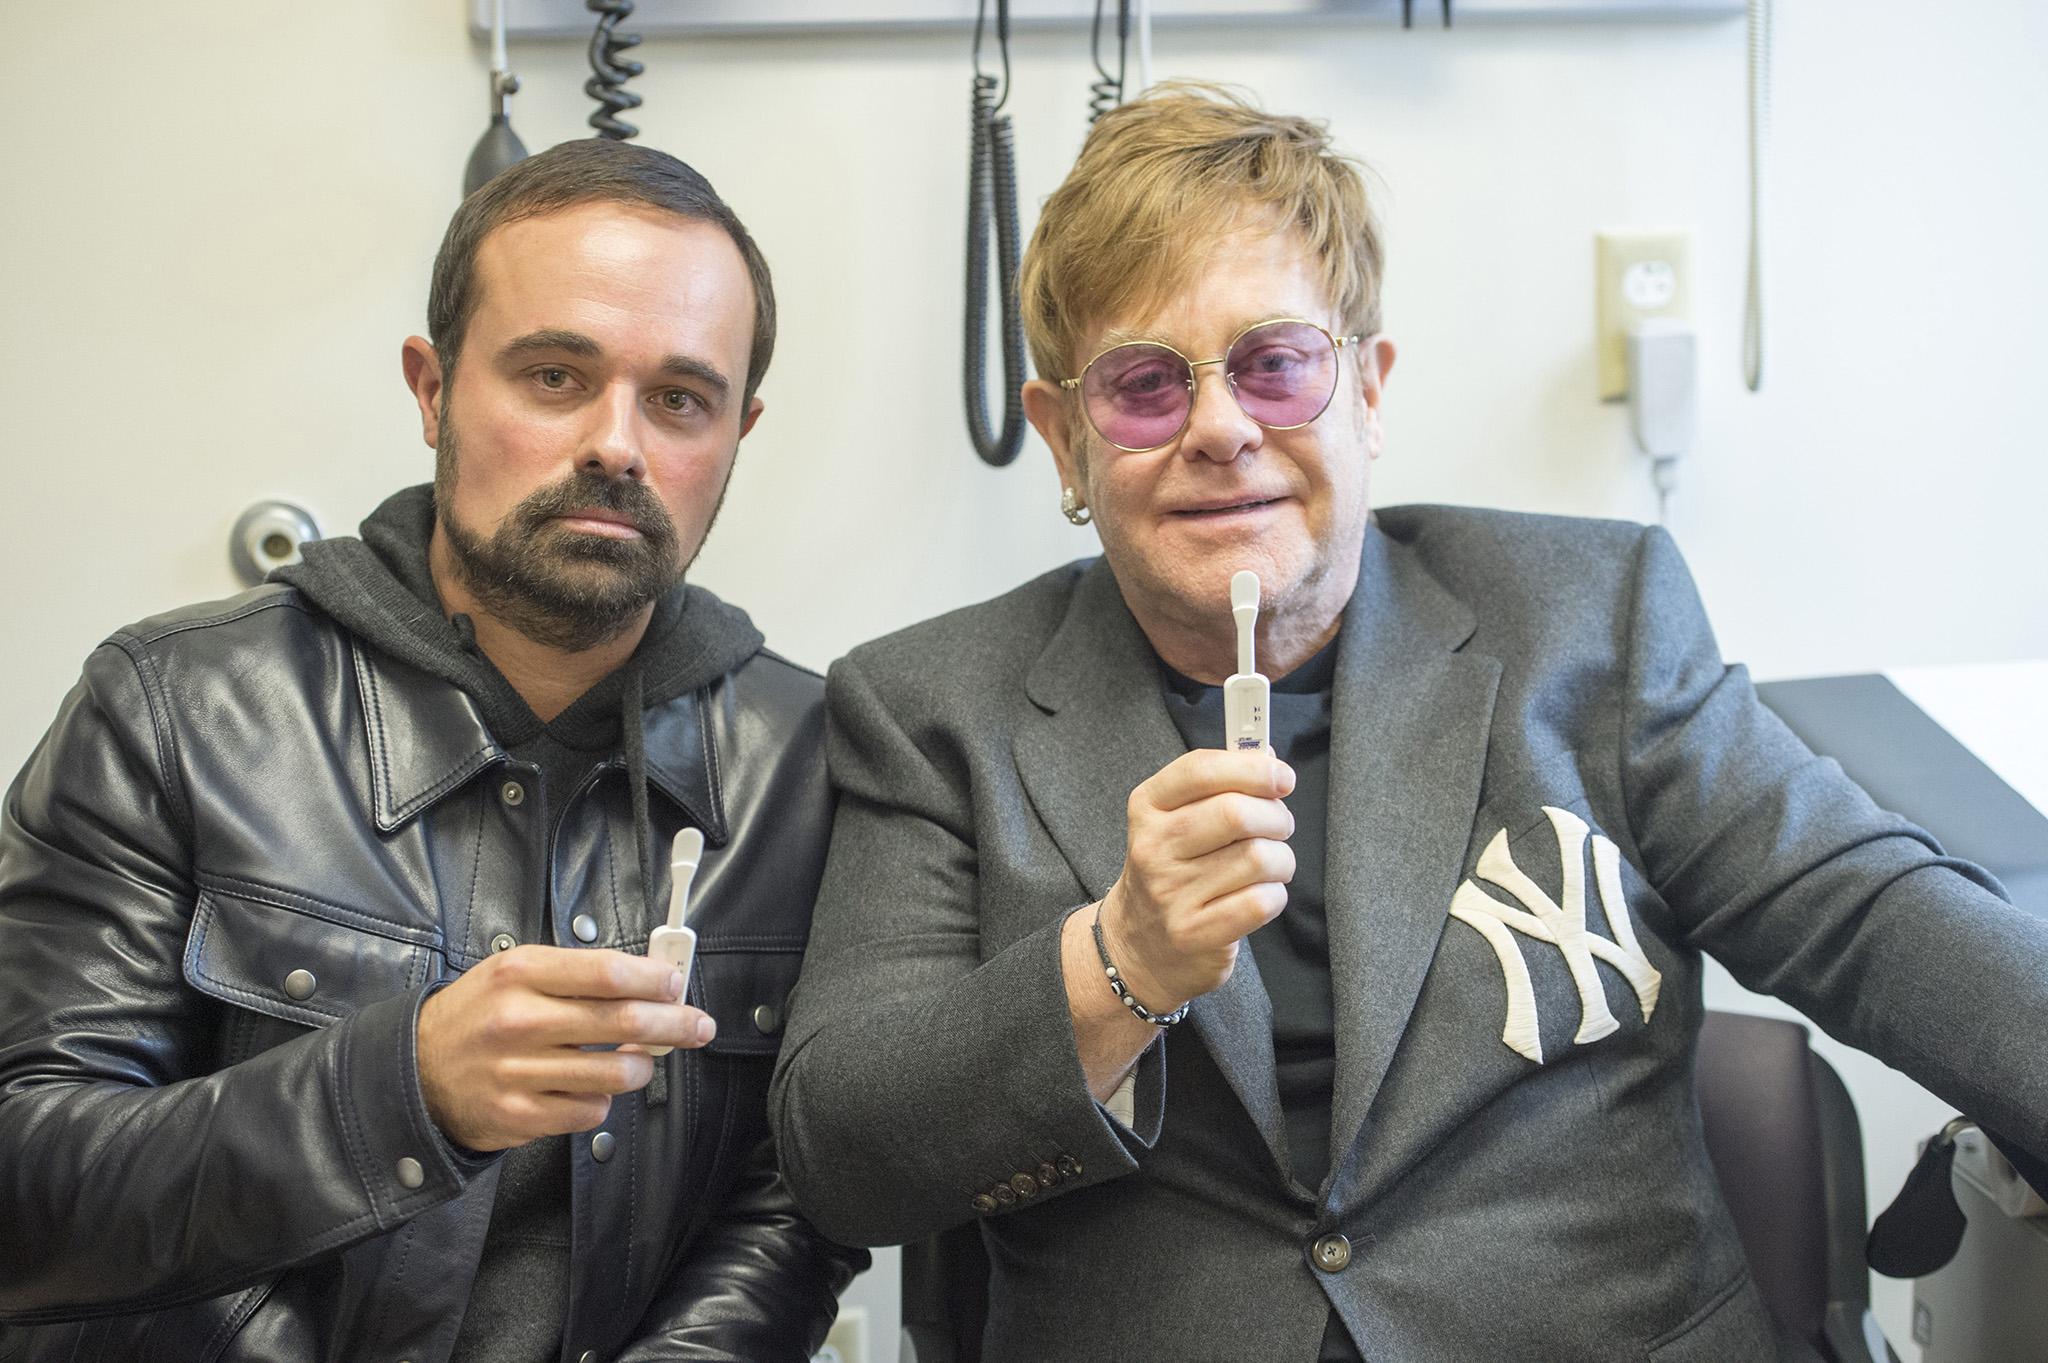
584	491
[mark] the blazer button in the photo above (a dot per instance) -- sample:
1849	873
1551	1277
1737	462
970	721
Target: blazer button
1332	1253
300	984
1005	1194
1025	1185
512	793
410	1173
602	1145
587	1356
768	1019
1069	1166
504	941
983	1203
1047	1176
584	926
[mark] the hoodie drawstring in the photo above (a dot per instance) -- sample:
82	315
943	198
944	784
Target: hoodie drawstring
633	726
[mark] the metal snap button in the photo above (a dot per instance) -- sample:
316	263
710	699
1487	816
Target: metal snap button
768	1019
584	926
512	793
411	1173
1332	1253
300	984
504	941
602	1145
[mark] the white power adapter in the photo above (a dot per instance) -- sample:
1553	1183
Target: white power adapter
1663	386
1663	397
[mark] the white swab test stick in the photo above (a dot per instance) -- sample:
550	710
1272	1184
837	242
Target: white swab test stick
1246	695
672	941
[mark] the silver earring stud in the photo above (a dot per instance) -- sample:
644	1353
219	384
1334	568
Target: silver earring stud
1071	508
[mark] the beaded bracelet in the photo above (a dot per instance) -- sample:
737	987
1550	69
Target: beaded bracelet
1122	991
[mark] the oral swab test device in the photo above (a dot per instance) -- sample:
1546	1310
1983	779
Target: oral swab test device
1246	695
673	942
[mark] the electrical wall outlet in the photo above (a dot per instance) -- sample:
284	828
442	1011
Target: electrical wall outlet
1637	274
848	1341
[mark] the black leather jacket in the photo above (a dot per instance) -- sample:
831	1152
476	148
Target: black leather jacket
248	848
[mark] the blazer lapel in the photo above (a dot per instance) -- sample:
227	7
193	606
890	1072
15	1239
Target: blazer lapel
1409	724
1101	730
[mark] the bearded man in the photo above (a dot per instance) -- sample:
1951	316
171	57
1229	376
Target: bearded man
327	1028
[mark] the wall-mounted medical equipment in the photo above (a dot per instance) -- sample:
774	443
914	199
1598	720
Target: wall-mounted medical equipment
268	536
992	213
562	18
500	147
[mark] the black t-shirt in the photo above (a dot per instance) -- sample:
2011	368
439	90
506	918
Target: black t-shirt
1293	951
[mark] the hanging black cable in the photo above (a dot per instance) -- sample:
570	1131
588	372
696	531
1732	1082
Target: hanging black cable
1408	13
610	71
992	202
1107	91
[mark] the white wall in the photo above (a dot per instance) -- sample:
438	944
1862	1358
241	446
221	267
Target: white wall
217	219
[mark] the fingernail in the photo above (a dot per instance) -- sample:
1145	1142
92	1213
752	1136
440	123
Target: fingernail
675	984
1284	776
706	1029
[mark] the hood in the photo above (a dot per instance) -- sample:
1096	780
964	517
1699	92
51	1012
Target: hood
379	587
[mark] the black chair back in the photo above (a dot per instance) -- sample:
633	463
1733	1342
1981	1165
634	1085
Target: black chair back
1787	1149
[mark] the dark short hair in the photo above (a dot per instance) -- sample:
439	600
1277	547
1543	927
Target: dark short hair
588	170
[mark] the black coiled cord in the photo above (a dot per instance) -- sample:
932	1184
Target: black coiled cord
1105	92
610	71
992	201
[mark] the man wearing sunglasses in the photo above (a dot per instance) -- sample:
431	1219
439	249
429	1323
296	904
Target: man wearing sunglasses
1437	953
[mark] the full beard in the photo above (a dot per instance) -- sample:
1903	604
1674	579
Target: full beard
560	588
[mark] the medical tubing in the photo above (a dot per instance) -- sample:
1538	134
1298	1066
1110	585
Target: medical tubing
610	71
992	202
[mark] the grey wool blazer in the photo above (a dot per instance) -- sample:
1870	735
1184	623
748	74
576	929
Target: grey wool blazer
1548	796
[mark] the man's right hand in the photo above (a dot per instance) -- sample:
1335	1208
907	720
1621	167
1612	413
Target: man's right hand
1206	864
501	1050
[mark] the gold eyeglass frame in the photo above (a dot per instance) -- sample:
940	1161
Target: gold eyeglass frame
1337	344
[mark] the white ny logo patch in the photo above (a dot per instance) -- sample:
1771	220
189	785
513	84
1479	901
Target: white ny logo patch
1563	925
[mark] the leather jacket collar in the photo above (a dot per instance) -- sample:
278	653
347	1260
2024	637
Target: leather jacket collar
435	742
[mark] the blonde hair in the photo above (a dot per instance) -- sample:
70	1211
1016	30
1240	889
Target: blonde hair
1158	181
